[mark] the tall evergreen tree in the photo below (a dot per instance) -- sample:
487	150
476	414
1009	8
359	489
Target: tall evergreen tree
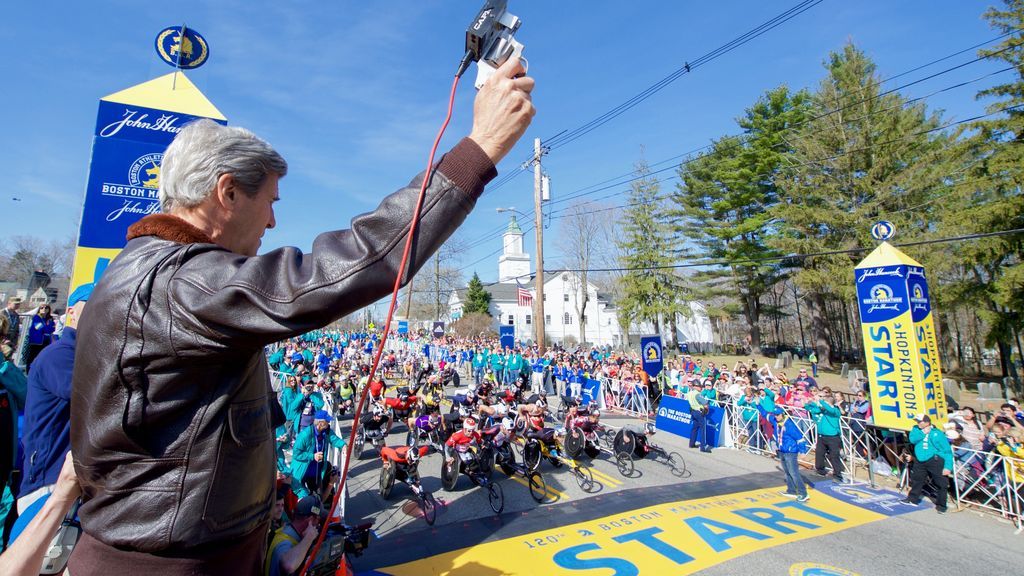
723	199
651	291
478	300
990	271
862	156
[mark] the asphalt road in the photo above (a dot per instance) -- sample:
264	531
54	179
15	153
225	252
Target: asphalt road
862	542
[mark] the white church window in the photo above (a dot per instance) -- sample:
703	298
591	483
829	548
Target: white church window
511	320
566	318
528	318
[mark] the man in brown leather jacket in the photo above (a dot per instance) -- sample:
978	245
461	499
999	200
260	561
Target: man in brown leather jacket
172	409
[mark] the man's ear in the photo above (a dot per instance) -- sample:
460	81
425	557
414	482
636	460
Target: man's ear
226	190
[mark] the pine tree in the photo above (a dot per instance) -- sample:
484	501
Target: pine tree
651	291
478	300
989	272
861	157
723	201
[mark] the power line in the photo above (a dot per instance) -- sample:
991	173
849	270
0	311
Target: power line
687	67
753	261
806	163
690	155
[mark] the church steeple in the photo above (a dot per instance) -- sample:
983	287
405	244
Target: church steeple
513	264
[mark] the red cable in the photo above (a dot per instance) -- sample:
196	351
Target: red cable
387	327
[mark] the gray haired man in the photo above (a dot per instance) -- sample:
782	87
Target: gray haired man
172	413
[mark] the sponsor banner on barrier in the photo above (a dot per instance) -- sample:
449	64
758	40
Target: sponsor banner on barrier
652	355
672	538
591	392
894	366
133	128
674	418
927	345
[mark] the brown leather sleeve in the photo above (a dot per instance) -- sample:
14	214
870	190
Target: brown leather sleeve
230	300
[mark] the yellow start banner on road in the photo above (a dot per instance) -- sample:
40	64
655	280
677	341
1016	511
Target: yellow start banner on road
899	339
673	538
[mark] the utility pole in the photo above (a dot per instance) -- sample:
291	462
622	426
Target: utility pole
538	302
437	284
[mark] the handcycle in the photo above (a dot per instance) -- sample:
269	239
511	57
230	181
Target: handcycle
498	444
593	440
375	436
544	444
633	445
476	467
402	464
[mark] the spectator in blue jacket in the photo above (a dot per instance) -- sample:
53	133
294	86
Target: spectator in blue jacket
791	445
48	413
40	334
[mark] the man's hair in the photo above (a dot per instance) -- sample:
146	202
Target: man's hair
203	152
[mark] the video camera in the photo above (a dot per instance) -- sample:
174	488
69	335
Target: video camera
490	39
339	540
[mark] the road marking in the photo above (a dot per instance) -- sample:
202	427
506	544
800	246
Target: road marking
605	478
673	538
551	493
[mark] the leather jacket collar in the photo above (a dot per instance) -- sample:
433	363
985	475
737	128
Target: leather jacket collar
170	228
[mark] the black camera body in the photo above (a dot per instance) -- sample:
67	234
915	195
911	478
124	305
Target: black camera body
490	38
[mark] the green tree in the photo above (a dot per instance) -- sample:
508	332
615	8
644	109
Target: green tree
860	157
722	204
478	300
651	291
989	272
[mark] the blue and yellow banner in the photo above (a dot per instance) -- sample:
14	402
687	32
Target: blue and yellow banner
927	346
133	128
899	339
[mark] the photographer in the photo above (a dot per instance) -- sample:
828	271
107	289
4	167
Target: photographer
292	541
172	407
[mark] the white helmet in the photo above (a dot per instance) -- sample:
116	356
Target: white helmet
469	425
507	423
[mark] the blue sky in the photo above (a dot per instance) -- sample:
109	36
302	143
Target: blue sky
352	93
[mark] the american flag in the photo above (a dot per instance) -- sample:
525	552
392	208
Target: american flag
525	298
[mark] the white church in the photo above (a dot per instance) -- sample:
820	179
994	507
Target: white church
562	294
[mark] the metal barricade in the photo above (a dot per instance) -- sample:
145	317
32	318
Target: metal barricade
626	397
990	481
985	480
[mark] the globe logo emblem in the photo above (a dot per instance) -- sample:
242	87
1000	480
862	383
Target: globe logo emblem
883	230
182	47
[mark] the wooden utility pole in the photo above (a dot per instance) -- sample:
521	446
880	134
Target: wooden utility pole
538	301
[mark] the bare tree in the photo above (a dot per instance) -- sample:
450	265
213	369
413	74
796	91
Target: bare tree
434	282
20	256
580	232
